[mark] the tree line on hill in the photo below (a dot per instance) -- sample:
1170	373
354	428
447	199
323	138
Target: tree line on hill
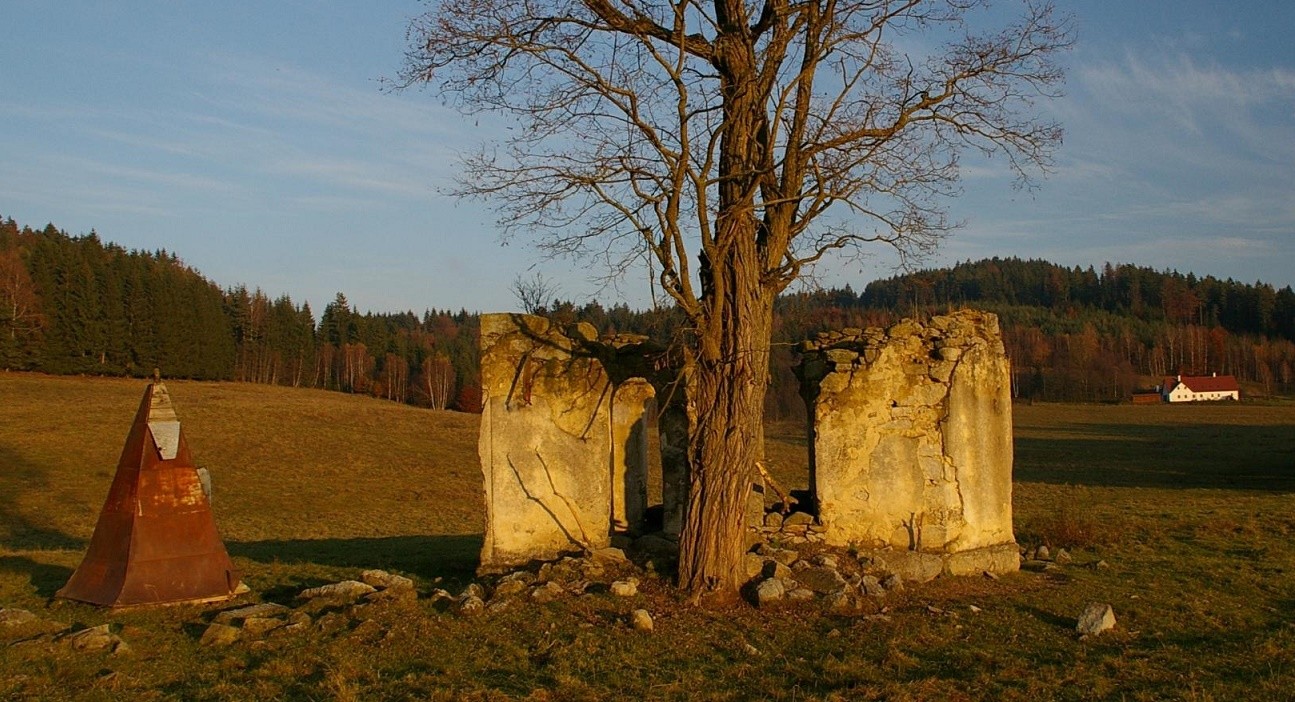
78	305
1080	334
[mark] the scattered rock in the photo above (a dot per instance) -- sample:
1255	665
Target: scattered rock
473	590
750	650
345	590
297	622
827	560
640	620
800	594
1096	618
510	586
839	601
893	583
16	617
1063	557
821	580
1099	565
218	635
1042	553
798	519
383	579
769	591
471	605
548	592
785	556
753	565
396	594
625	588
95	639
1037	566
871	586
567	570
773	520
974	609
442	600
991	575
610	556
265	609
774	569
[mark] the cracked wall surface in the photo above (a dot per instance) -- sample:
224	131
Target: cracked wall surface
911	437
546	440
563	443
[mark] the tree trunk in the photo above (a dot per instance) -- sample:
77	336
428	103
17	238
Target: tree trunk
726	384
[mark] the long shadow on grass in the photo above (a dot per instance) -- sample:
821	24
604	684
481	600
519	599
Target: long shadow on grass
1213	456
453	557
20	477
45	578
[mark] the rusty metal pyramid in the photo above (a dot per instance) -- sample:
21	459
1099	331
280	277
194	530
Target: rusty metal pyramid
156	540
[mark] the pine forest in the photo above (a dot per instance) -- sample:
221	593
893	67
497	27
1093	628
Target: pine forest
79	305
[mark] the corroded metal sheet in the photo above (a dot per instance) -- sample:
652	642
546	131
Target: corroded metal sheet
156	540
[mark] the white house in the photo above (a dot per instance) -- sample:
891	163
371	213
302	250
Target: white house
1188	388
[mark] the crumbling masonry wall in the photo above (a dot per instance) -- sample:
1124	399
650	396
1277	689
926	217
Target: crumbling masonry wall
563	448
911	440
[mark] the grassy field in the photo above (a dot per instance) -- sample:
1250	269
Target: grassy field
1192	507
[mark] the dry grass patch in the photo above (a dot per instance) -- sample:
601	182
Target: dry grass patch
1193	508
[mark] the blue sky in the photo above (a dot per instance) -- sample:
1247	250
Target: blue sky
255	140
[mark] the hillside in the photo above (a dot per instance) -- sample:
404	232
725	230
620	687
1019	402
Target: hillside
1080	334
1188	508
78	305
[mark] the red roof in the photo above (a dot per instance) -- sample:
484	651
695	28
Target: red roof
1205	383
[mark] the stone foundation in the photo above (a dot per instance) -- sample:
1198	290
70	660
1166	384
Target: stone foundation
911	440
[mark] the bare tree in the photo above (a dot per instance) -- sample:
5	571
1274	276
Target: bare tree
536	295
438	380
756	135
20	317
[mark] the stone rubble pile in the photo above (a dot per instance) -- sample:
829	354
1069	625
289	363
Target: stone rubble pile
853	582
794	528
343	605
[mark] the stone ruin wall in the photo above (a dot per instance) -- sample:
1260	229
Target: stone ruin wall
911	449
911	440
563	448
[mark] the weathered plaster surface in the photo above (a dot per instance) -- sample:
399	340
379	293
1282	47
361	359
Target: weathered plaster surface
546	441
912	436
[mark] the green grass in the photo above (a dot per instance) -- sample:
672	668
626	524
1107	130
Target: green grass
1193	507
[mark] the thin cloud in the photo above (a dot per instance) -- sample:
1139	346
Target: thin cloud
356	174
1190	94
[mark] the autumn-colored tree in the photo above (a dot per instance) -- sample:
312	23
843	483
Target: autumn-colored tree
437	380
20	317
